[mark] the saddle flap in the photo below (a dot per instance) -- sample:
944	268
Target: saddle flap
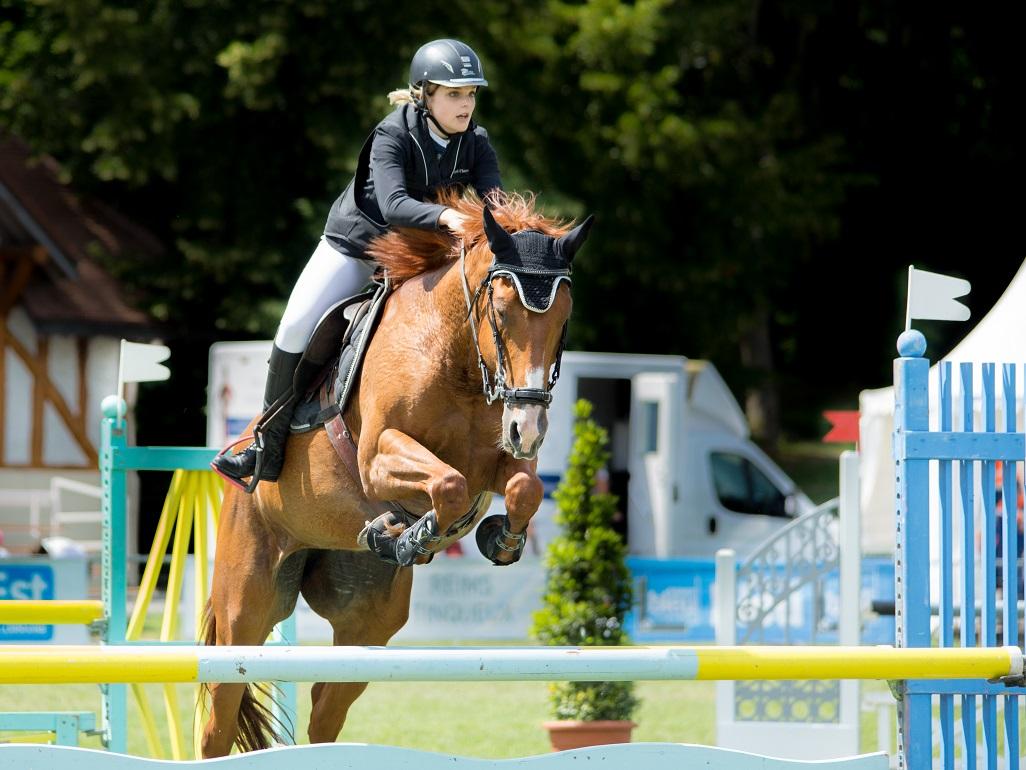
332	327
340	339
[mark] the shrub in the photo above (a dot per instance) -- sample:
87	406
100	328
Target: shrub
588	586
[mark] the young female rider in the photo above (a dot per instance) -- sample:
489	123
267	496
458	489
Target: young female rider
429	142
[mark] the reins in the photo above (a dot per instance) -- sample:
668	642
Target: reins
510	396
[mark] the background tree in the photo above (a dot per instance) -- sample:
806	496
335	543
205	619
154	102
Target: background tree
763	172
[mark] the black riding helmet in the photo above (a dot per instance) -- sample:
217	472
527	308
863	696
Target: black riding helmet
448	63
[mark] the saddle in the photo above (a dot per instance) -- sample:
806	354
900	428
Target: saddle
354	320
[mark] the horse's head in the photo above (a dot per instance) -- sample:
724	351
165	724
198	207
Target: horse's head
523	311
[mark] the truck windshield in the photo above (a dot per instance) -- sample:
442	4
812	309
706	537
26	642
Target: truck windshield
743	488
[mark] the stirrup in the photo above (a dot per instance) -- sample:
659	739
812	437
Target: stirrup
491	533
403	550
226	476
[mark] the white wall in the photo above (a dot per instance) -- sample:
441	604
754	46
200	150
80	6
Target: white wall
60	449
18	393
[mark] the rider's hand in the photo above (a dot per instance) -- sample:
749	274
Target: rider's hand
453	220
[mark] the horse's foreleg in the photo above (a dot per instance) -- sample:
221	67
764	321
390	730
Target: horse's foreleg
523	490
402	468
518	482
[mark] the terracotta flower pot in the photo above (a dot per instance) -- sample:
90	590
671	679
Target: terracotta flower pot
574	734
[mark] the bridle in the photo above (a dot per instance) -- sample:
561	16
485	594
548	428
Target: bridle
510	396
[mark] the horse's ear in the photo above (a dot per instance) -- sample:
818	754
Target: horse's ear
498	239
570	243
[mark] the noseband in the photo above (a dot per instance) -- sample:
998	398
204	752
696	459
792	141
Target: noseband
510	396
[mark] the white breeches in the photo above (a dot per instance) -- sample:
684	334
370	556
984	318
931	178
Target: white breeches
328	277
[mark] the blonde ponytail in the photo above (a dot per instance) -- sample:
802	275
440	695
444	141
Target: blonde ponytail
403	96
410	94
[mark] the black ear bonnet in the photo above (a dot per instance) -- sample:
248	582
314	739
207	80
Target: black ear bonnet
536	263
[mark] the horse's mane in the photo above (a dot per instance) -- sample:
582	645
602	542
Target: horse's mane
407	252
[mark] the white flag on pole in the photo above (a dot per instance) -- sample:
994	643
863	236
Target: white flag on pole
933	297
141	363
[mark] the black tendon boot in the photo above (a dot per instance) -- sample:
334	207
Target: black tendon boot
415	541
274	428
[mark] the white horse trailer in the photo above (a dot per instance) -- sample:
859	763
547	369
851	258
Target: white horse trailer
688	477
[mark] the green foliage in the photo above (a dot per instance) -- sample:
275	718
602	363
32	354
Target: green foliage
226	128
735	153
588	588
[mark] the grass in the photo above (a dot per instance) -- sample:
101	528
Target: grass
479	719
491	720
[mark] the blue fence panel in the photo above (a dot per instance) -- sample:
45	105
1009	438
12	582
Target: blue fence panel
986	565
673	602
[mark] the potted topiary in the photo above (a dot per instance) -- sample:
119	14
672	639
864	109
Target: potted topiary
587	594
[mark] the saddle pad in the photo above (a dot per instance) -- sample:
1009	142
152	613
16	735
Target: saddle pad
331	397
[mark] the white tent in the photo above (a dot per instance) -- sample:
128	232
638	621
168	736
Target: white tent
997	338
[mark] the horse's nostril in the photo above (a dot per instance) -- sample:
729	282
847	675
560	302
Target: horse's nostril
514	434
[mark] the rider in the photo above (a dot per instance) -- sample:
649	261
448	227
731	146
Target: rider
428	143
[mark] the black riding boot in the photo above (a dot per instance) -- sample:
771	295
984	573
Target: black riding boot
281	374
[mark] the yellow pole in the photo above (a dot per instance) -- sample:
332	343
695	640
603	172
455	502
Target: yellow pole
48	737
216	494
201	585
155	560
149	722
154	563
808	662
169	626
179	552
174	726
208	503
23	664
51	611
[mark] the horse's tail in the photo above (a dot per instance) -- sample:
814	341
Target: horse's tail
258	726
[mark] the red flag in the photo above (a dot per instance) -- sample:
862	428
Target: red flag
844	427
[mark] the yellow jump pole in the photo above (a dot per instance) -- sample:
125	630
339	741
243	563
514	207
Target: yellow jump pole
822	662
83	664
147	585
187	505
45	737
200	545
51	611
208	502
165	526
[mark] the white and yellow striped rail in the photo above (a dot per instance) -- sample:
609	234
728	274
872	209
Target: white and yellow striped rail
128	664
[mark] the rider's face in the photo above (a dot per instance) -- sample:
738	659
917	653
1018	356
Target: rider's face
453	107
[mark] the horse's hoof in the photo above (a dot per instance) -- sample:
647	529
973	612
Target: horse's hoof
490	535
401	548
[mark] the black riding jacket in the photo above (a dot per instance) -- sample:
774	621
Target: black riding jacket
398	168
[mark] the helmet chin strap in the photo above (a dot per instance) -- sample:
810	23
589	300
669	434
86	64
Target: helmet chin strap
445	134
422	106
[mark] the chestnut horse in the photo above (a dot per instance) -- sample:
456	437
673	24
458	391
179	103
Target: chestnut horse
451	406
